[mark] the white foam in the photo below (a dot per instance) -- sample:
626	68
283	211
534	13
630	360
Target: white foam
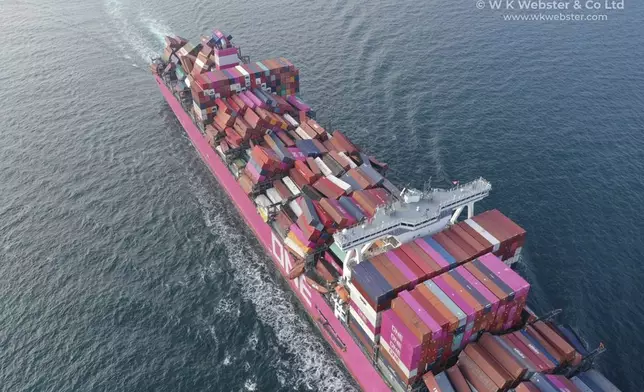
158	28
134	35
250	386
313	365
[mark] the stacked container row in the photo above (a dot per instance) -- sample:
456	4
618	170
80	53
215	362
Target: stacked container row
419	324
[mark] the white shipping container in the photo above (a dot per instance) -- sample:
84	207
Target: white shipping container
242	71
369	312
199	63
397	360
302	134
350	161
273	195
291	186
296	208
291	120
345	187
362	325
323	167
220	152
262	201
485	234
226	60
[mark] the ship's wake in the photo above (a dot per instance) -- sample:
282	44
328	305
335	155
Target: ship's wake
143	35
312	366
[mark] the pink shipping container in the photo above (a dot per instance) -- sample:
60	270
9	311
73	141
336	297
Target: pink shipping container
402	342
438	334
462	304
440	260
408	273
512	279
480	287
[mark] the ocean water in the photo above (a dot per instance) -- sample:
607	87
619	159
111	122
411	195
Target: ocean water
124	267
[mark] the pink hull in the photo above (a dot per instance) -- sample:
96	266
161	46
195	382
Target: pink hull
354	360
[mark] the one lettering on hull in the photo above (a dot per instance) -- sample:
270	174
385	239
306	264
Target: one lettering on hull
284	259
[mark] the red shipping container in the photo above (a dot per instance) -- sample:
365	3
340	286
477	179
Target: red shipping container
350	219
328	188
223	106
381	194
422	274
342	161
475	375
555	340
321	132
527	386
468	298
288	142
233	105
328	145
341	143
243	128
485	244
252	119
314	167
239	102
365	202
297	178
485	362
338	217
304	170
310	233
360	178
308	130
503	229
233	137
391	279
506	359
320	146
421	259
545	344
457	379
459	254
324	216
282	189
464	245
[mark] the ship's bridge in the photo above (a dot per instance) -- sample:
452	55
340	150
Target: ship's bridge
415	214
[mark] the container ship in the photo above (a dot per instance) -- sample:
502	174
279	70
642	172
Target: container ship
411	288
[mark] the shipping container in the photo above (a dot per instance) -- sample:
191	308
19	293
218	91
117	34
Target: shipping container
513	367
438	248
486	363
475	375
457	379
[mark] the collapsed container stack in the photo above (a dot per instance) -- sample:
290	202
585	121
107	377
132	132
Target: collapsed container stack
523	361
277	76
212	70
420	317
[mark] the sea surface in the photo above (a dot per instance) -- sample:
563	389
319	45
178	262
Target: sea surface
124	267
